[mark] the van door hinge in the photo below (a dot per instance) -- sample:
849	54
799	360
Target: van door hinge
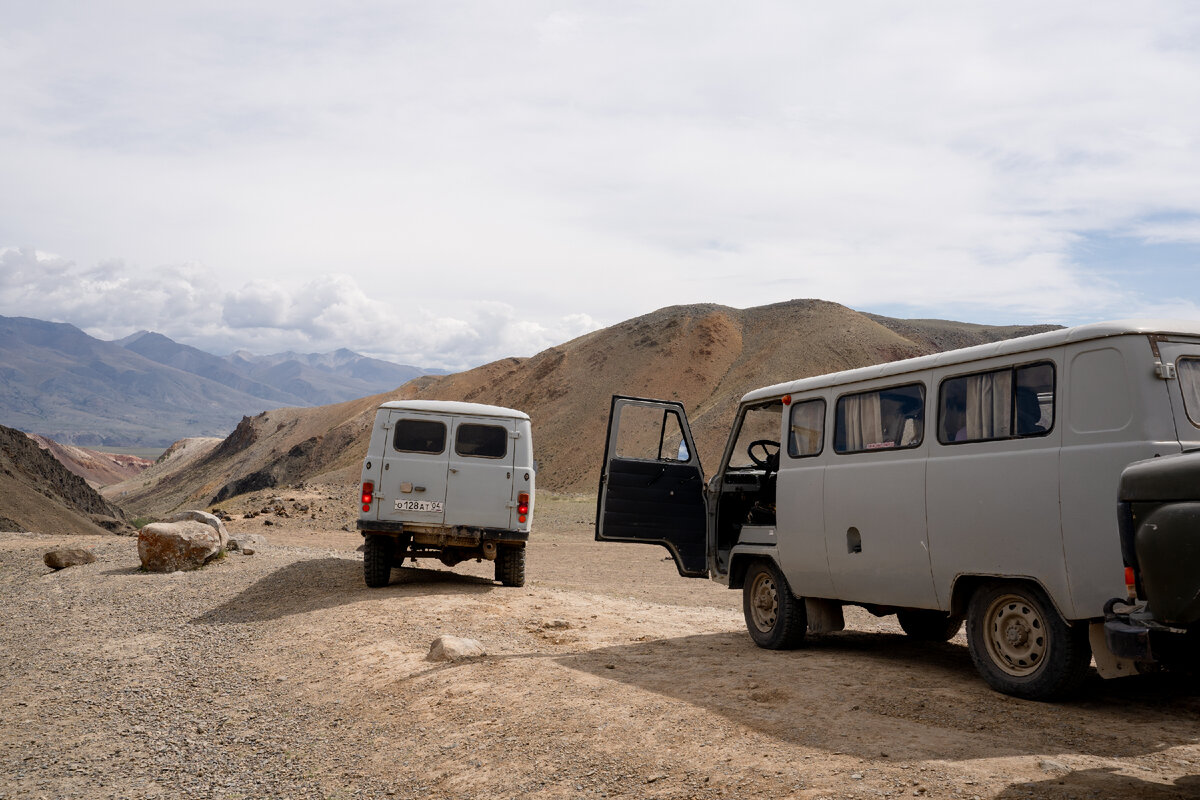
1164	371
514	434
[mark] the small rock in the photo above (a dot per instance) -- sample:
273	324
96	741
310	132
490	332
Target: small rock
268	522
556	624
454	648
1049	765
69	557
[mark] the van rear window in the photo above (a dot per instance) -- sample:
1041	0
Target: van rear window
419	436
1004	403
1188	371
892	418
481	441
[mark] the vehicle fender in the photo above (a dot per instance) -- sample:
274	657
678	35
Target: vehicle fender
742	556
1167	544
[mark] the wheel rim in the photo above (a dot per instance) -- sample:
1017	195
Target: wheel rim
764	602
1016	635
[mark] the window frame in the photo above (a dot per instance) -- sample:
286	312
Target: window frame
1012	408
820	438
396	432
920	384
462	425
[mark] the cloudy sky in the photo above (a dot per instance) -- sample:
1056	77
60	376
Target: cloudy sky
445	183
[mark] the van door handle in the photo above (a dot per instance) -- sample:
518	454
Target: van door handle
418	488
452	469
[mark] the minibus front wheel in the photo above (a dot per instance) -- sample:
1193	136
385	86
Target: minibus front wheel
775	618
1022	646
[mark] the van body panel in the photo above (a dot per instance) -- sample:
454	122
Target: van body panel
993	509
878	551
803	554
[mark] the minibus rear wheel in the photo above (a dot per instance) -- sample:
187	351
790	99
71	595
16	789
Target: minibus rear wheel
377	559
775	618
510	566
1022	646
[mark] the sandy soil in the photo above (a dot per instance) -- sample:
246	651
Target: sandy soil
607	676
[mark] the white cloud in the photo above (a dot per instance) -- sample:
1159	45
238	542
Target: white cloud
468	177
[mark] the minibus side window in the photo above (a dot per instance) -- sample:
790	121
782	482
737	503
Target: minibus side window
419	436
806	431
892	418
999	404
1188	370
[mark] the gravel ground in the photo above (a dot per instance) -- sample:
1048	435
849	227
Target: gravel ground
280	675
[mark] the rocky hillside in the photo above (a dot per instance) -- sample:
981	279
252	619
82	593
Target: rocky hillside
706	356
37	493
95	467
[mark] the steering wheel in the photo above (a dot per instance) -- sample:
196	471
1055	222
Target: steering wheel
769	460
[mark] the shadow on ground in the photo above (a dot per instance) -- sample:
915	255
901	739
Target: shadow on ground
1103	784
839	693
316	584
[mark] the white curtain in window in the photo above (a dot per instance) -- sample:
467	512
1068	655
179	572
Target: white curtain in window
864	427
989	400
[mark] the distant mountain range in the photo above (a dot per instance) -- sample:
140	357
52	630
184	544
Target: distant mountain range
147	390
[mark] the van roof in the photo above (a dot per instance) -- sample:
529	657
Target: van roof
1038	341
455	407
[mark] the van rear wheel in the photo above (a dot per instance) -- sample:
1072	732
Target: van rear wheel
510	566
927	625
377	559
1022	646
775	618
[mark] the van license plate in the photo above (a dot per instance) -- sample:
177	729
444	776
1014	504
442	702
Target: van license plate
419	505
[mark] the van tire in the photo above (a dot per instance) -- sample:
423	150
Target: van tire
510	566
377	559
926	625
1022	646
775	618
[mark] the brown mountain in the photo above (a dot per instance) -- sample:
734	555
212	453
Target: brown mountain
705	356
37	493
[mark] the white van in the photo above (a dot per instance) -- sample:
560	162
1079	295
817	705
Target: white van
447	480
977	484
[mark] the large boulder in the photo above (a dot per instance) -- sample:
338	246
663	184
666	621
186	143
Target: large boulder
208	519
183	545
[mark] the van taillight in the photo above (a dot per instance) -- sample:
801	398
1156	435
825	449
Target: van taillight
522	506
1130	583
368	495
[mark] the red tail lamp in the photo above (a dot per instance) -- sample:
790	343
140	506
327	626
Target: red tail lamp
368	494
1130	583
522	506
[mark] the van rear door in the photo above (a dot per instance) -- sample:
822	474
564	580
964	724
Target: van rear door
1184	389
479	488
413	486
651	483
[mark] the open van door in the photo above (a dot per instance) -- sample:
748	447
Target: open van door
651	483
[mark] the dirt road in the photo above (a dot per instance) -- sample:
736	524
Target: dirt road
607	676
